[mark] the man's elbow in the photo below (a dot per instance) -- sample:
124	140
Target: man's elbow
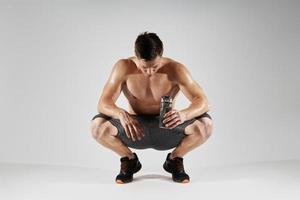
206	105
101	107
203	104
104	106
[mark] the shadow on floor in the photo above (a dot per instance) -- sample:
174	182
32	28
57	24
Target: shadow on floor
144	177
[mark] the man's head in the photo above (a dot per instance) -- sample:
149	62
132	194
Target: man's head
148	49
148	46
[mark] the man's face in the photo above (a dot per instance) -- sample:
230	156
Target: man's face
149	67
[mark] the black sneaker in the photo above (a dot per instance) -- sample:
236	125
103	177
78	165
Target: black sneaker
176	168
128	168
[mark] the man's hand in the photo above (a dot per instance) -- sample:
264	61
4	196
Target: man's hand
132	127
173	118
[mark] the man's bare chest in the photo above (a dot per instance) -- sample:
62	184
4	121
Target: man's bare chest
149	89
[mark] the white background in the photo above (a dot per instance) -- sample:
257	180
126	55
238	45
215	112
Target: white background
56	56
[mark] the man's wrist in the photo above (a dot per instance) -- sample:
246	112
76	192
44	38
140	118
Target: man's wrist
121	112
183	114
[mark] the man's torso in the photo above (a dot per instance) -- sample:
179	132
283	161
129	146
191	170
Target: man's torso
144	93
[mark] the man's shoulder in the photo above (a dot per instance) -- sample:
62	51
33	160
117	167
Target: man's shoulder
177	71
174	64
123	66
176	68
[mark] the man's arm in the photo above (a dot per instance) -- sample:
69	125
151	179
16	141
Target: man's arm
191	89
112	90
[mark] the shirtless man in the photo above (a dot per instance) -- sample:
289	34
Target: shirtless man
144	79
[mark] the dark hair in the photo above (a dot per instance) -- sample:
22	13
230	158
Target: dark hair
148	46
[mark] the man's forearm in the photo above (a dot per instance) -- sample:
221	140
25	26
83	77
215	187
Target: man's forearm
110	109
196	108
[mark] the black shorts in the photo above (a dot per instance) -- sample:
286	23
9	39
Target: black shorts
155	137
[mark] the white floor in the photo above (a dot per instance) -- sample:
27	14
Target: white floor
269	180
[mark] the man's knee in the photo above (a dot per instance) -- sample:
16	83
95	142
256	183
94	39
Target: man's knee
100	130
206	132
209	127
202	129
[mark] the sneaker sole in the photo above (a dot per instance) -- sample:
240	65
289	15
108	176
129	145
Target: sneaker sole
119	181
178	181
184	181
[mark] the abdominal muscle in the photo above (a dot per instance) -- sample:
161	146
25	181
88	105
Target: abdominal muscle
148	104
143	109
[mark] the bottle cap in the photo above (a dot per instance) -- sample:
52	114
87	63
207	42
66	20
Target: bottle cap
166	99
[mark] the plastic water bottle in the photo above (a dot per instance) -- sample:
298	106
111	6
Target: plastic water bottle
165	106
